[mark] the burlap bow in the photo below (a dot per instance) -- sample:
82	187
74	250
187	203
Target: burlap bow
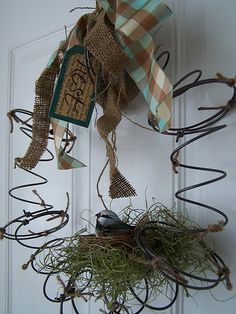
117	36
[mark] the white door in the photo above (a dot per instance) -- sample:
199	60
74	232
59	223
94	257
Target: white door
200	34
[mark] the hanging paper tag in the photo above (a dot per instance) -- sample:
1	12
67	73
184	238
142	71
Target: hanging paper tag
73	99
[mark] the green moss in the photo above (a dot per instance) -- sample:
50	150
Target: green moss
117	264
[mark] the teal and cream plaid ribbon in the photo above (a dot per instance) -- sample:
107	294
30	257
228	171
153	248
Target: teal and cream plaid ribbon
64	160
133	21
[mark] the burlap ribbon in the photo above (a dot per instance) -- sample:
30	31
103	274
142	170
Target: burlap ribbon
44	89
102	45
41	123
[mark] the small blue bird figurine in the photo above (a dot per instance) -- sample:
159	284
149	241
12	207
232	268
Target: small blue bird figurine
109	224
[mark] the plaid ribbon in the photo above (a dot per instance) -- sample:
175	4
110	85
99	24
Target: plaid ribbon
64	161
133	21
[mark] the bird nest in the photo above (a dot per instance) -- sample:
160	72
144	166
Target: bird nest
165	247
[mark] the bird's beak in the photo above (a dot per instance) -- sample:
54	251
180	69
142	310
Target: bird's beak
98	215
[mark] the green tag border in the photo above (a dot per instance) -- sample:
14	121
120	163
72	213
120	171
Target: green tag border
64	66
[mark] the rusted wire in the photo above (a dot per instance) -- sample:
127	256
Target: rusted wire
12	229
175	277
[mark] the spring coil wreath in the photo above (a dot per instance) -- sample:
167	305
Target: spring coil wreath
164	249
